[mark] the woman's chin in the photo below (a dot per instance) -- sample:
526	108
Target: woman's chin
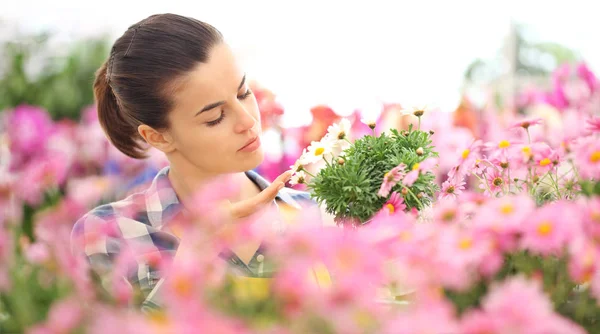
252	160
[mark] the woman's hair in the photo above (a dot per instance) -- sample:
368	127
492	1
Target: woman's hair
133	86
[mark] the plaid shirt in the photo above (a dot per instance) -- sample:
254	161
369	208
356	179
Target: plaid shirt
142	219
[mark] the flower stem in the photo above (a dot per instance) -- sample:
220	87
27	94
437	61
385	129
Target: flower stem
307	172
415	197
528	135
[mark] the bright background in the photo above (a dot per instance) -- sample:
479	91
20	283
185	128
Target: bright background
349	55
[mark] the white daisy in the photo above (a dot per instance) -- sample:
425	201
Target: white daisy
316	151
369	121
416	111
298	178
339	131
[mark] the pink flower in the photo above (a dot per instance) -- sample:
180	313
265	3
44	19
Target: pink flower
591	217
550	228
37	253
494	182
447	211
583	259
584	72
452	188
518	305
430	316
39	176
587	157
460	252
478	322
503	218
425	166
390	179
28	128
545	158
395	204
593	124
525	124
65	316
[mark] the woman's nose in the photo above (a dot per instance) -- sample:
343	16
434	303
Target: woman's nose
246	120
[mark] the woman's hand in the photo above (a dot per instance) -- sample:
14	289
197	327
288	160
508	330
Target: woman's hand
254	204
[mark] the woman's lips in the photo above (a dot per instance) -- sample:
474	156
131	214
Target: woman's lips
251	145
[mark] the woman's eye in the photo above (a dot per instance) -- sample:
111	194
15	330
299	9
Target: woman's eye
218	120
245	95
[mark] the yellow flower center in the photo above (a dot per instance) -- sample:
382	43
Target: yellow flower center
465	153
595	216
504	144
595	157
319	151
390	207
465	243
448	215
415	166
507	209
545	162
182	286
545	228
497	182
405	236
526	150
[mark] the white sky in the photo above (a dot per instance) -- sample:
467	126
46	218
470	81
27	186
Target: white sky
349	54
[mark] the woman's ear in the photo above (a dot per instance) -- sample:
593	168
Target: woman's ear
160	140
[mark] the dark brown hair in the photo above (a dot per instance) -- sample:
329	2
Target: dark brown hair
133	86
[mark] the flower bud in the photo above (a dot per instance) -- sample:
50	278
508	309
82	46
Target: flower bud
341	161
420	151
420	195
404	191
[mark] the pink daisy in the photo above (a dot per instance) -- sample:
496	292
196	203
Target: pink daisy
424	166
494	181
593	124
390	179
395	204
452	188
525	124
587	157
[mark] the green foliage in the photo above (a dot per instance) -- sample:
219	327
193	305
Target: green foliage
64	83
349	190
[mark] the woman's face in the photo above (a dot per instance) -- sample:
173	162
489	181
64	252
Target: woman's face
215	123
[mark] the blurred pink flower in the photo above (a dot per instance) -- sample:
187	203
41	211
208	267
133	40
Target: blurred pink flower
550	228
584	257
28	129
425	166
590	209
37	253
475	321
390	179
587	157
429	316
584	72
65	316
518	305
525	124
593	124
503	218
39	176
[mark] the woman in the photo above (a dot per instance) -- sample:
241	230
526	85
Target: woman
172	83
